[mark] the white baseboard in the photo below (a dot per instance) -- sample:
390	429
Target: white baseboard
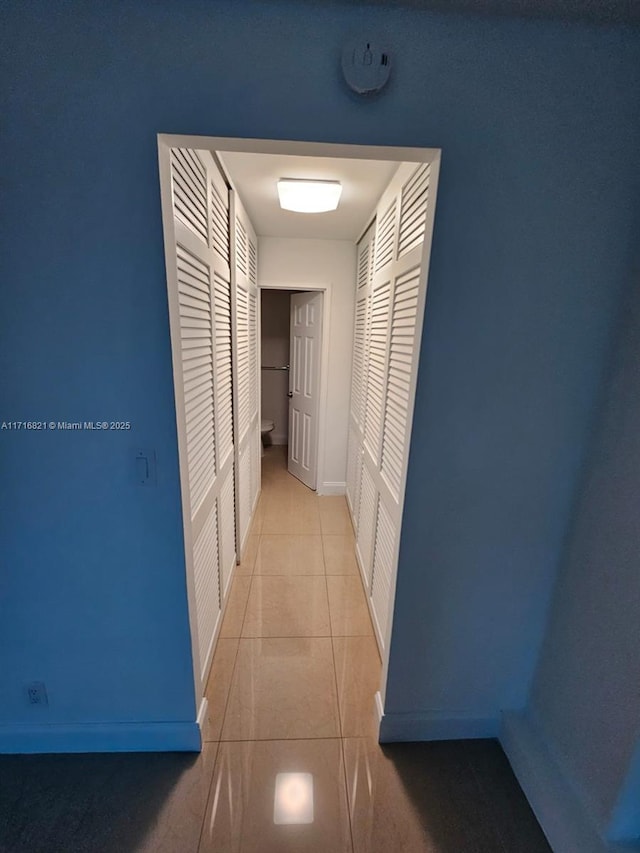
202	712
332	488
563	818
101	737
436	725
379	707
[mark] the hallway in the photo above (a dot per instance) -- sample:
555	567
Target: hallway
295	671
290	762
292	690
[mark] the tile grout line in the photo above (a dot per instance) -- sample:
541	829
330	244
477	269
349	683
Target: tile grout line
208	800
235	659
347	792
340	727
343	756
333	650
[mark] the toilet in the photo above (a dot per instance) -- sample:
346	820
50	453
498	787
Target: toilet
266	426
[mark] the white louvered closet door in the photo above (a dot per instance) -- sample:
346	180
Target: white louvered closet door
390	294
359	372
245	369
200	315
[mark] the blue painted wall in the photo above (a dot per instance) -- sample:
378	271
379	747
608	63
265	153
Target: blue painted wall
532	248
586	691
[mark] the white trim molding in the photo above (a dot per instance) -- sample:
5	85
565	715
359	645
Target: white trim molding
332	488
436	725
202	713
563	818
379	707
101	737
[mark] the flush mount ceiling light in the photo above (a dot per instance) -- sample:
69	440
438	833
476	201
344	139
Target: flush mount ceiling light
304	196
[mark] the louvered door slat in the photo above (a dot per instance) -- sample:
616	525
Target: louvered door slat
244	262
193	375
252	262
190	191
403	324
354	473
206	581
413	210
363	264
385	238
383	566
377	369
220	221
241	247
242	332
352	452
196	345
357	379
245	489
222	295
198	411
253	352
366	521
227	531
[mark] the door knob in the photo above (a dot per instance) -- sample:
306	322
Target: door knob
290	394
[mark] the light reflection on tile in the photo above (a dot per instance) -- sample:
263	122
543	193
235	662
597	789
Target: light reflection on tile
381	812
291	508
339	554
358	673
290	555
348	607
240	814
292	515
293	799
256	524
218	685
282	688
249	558
334	515
236	606
281	606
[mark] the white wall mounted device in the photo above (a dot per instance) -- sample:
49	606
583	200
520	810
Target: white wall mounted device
366	66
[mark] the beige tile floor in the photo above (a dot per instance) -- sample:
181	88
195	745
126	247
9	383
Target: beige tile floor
295	672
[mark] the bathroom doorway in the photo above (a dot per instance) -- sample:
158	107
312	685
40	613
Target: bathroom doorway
292	395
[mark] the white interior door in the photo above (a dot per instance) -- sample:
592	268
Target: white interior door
304	386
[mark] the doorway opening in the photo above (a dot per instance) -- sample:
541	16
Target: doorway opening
291	371
357	279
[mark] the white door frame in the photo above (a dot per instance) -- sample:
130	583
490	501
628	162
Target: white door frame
396	154
324	363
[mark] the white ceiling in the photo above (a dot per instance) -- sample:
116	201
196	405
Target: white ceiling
255	177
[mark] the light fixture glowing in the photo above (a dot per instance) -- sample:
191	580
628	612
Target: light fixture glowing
293	802
304	196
